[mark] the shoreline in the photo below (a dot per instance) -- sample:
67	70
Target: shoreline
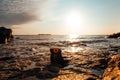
25	59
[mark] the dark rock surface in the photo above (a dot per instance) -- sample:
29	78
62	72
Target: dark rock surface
115	35
5	35
57	58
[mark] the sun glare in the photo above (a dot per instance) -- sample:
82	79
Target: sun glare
73	21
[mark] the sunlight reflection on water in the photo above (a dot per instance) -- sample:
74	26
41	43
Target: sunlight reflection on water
74	47
72	38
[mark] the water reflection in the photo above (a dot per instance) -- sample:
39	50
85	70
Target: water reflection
73	38
74	49
72	46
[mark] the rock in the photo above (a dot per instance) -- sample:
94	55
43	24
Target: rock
53	68
112	72
42	75
57	58
115	35
6	58
90	78
17	38
5	35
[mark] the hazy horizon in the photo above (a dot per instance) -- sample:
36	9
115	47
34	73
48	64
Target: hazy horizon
60	34
61	17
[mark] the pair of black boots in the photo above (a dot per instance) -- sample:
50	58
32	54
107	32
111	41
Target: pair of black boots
57	59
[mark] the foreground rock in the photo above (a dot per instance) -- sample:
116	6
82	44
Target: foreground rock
113	70
115	35
57	59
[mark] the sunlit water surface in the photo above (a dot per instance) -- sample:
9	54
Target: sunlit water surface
69	43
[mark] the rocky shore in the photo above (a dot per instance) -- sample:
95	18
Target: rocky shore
112	71
24	61
115	35
84	65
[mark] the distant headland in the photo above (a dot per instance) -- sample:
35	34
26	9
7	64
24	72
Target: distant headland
114	35
44	34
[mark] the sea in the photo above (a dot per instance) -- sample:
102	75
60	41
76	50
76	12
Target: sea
68	43
28	52
27	45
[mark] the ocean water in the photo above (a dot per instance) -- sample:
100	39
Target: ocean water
26	45
68	43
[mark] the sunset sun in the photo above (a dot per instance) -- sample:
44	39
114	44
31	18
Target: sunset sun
73	21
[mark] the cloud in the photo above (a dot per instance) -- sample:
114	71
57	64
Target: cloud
16	12
16	19
47	9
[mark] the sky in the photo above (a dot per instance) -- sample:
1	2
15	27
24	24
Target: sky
61	17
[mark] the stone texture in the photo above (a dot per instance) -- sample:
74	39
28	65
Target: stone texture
112	72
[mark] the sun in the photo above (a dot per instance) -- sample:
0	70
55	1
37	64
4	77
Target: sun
73	21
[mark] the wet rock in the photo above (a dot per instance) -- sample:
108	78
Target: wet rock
57	58
20	65
6	58
53	68
46	74
30	78
112	72
90	78
115	35
114	49
32	49
17	38
5	35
